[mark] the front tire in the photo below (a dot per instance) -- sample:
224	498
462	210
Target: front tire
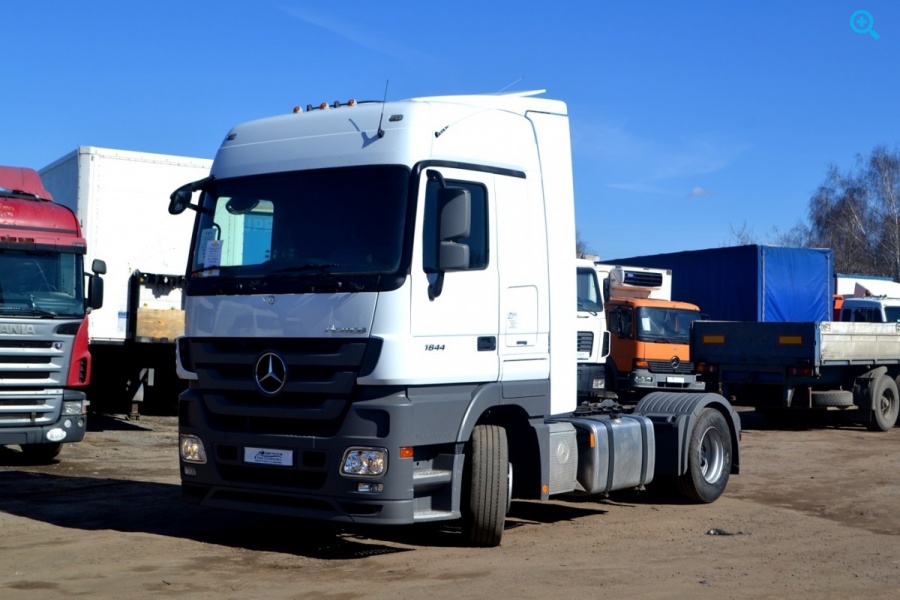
486	493
709	459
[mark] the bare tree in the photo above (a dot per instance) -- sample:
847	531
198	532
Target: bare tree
858	215
581	246
742	236
883	179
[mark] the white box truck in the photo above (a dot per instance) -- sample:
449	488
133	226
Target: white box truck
119	198
379	325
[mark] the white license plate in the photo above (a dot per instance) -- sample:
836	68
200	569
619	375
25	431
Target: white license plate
674	379
269	456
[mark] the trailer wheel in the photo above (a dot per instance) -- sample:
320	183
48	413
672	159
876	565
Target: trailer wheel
885	404
486	493
41	453
709	459
833	398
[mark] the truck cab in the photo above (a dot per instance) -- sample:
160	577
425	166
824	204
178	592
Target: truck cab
593	334
870	309
650	333
44	306
379	325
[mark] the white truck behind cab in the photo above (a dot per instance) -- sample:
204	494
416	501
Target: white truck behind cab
116	196
593	334
379	325
870	309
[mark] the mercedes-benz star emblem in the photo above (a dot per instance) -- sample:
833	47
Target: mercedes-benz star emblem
270	373
675	362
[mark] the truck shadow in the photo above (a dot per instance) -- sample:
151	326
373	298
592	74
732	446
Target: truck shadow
95	504
798	420
111	422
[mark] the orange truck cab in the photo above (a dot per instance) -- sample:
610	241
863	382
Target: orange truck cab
649	336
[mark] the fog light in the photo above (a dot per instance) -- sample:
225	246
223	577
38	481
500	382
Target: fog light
599	384
370	488
364	462
191	449
67	423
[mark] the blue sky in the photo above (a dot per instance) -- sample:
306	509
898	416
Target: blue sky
689	119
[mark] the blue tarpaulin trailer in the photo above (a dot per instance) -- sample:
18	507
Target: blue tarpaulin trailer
750	283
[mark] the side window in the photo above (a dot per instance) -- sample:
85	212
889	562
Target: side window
620	322
477	240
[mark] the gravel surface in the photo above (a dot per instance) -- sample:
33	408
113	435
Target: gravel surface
812	515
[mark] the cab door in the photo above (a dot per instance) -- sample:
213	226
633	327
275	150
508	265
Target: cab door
454	314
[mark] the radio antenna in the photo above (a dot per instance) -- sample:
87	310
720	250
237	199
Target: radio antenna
511	84
381	118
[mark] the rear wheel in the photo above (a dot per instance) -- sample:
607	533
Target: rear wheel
486	494
885	404
709	458
41	452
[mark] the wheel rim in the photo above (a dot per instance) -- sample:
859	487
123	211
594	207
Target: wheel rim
509	485
712	455
886	404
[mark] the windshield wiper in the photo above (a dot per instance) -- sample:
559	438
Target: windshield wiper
320	267
33	310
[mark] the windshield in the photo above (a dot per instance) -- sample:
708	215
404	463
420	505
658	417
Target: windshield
892	314
46	284
671	325
588	291
347	221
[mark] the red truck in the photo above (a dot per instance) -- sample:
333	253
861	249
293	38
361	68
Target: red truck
44	306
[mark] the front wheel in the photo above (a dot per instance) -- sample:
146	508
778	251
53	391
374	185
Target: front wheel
488	478
709	459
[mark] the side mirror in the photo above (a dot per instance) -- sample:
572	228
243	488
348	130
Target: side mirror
181	198
95	291
240	205
98	266
455	223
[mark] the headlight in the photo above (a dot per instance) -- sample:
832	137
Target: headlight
364	462
191	449
73	408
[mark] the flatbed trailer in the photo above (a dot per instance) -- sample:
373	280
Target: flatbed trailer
850	368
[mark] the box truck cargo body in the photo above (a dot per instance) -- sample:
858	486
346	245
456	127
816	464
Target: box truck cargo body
120	197
751	283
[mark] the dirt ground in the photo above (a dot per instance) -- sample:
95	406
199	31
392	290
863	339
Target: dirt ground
814	514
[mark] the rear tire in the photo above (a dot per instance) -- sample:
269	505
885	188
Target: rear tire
41	453
486	493
885	404
709	459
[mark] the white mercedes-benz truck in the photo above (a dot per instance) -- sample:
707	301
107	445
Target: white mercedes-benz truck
379	325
